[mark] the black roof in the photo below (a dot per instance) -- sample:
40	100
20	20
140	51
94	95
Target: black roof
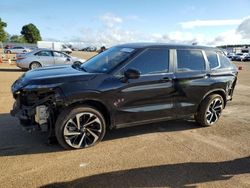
155	45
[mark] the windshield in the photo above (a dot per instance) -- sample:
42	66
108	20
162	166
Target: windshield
107	60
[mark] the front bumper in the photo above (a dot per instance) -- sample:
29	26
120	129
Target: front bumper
27	114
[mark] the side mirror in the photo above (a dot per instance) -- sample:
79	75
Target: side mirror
68	59
131	74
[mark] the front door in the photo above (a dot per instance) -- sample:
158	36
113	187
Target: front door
150	97
61	58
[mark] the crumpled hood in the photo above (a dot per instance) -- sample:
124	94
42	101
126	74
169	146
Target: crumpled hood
50	76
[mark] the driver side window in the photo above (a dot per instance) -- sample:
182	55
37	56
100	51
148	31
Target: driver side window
150	61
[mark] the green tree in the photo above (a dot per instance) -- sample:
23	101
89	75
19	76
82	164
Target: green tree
3	33
17	39
30	33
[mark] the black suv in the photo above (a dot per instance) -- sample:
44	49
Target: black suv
127	85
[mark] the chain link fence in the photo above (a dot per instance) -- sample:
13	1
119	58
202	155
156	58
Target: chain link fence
13	44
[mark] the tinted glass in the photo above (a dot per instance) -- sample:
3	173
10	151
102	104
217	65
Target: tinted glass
44	53
190	60
58	54
151	61
213	60
107	60
224	62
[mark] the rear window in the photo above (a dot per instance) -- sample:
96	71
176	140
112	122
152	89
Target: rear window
190	60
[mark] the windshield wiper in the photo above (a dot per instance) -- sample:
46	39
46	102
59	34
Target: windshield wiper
79	67
82	68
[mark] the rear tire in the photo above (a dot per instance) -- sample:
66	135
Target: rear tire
80	127
35	65
210	110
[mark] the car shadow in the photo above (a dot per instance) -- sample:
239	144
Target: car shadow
16	141
12	70
167	175
165	126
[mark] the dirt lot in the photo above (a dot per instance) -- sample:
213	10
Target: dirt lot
169	154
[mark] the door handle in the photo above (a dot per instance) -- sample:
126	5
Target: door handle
166	79
207	75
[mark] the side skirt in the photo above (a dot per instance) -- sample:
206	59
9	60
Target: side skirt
132	124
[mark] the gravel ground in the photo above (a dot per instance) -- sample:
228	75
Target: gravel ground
168	154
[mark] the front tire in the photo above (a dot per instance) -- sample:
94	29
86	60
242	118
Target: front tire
80	127
210	110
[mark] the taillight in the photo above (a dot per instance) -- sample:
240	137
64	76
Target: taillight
20	58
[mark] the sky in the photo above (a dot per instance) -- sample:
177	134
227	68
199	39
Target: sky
110	22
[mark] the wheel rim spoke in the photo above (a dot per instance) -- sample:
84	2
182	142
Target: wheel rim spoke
211	117
208	113
93	121
78	116
93	134
72	133
82	138
72	122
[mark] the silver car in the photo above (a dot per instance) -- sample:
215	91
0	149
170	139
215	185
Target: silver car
44	57
16	50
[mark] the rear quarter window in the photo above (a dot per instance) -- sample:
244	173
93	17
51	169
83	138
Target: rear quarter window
213	59
225	63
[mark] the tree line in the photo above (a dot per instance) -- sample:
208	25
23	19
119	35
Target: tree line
29	34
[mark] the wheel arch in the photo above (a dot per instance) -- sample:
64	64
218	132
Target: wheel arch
98	105
220	92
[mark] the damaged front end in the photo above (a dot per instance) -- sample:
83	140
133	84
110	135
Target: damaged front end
37	107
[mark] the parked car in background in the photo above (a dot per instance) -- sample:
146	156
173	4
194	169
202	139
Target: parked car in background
89	49
237	57
8	46
230	55
58	46
45	57
126	85
16	50
246	57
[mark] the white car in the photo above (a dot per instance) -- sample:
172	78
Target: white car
17	50
45	57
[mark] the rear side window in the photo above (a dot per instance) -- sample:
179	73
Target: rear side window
190	60
213	59
151	61
44	53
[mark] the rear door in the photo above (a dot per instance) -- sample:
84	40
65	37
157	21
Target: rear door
191	80
45	57
148	98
